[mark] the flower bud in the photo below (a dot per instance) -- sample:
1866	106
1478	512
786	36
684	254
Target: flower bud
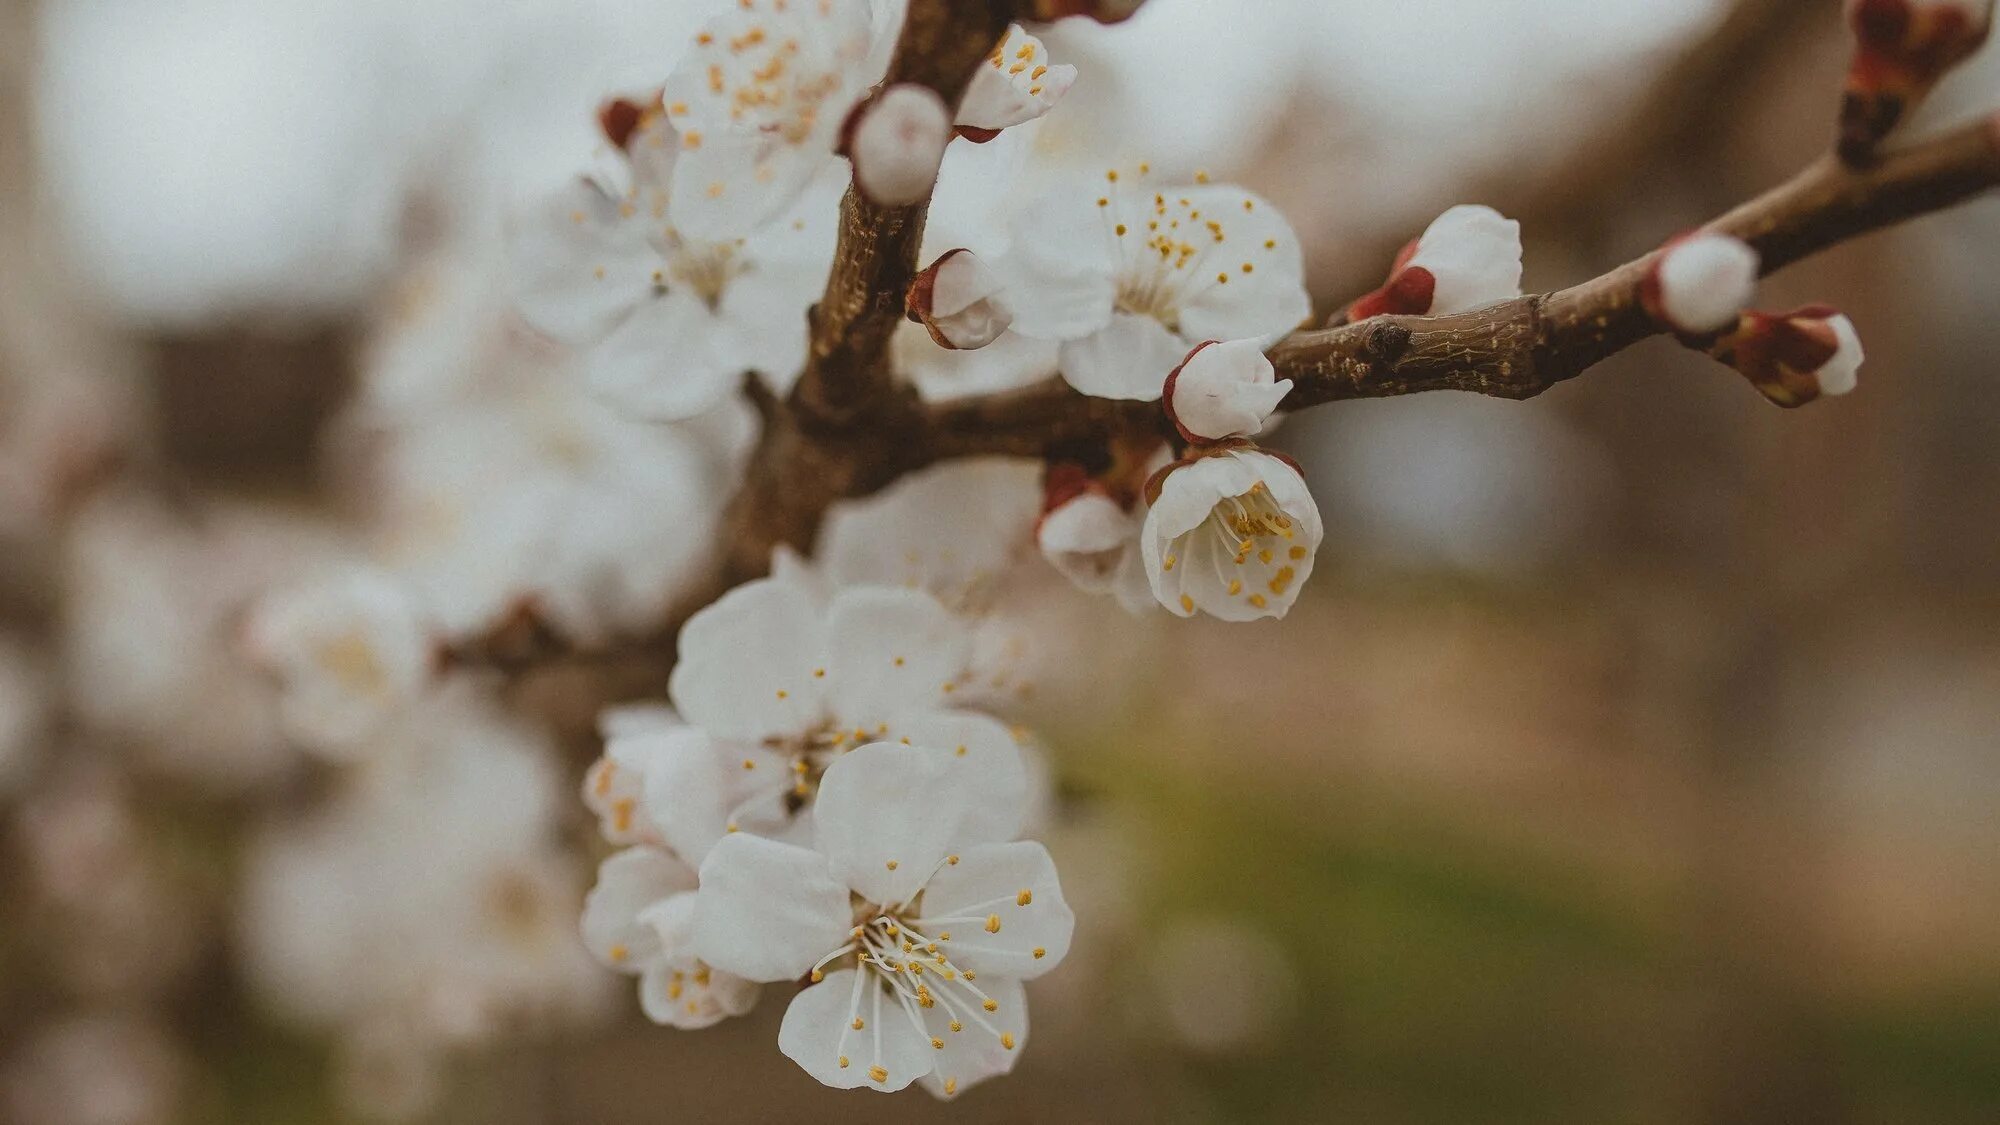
897	142
960	302
1701	283
1223	391
1467	259
1087	538
1793	358
1902	49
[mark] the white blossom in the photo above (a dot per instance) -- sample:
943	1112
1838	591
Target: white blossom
1232	535
961	302
758	106
1128	278
953	530
898	144
1702	283
916	927
348	650
1225	390
639	920
1090	539
777	685
1017	85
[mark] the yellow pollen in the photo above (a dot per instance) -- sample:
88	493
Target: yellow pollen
899	662
1007	1040
691	139
878	1074
957	1026
1024	898
619	953
952	860
1168	563
960	751
992	923
1257	600
843	1062
1270	244
1121	230
819	673
748	764
817	976
1297	552
1040	953
1235	586
951	1086
937	1043
1264	556
783	694
1112	175
891	865
857	1024
991	1005
1187	603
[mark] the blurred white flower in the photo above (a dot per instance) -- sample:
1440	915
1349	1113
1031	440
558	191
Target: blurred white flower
1128	278
759	104
1017	85
639	919
954	530
1232	535
1224	1012
348	649
942	922
898	143
1468	258
102	1068
1224	390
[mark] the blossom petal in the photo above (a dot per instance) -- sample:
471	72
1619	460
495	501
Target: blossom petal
738	182
660	363
1004	909
689	995
628	883
576	265
767	911
887	1052
747	663
1129	359
886	817
951	530
973	1051
984	759
697	790
891	650
1264	302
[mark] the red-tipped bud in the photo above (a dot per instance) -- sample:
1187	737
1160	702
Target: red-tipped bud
1902	48
960	302
1469	258
1223	391
1700	283
1103	11
896	141
1793	358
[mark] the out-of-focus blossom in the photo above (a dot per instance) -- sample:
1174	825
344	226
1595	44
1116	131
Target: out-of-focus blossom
1224	390
1469	258
758	106
897	144
942	923
1701	283
639	919
1232	535
1017	85
104	1068
954	530
1128	277
1226	1012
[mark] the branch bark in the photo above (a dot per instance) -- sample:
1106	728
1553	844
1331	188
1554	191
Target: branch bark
1523	347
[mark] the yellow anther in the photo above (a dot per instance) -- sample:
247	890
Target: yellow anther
1187	603
992	923
619	953
1235	586
953	860
857	1024
1007	1040
990	1005
1024	898
878	1074
891	865
937	1043
1257	600
1040	953
843	1062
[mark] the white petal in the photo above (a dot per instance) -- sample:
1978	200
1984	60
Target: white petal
735	184
891	650
1129	359
1474	252
1706	282
1263	304
697	788
951	530
972	1053
661	364
689	995
886	817
747	662
887	1053
767	911
1000	903
1017	85
628	883
1842	373
1061	272
576	264
1088	540
981	757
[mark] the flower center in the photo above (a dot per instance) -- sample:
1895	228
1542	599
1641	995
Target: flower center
704	268
1257	535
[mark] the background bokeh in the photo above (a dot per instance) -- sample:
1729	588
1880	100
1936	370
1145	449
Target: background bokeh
1634	756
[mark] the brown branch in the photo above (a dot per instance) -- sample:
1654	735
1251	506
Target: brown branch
1523	347
847	366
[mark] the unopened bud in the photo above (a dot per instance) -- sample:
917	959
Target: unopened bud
1902	49
1087	538
1701	283
960	302
897	142
1223	391
1469	258
1793	358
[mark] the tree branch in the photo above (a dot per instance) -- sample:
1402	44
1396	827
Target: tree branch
1523	347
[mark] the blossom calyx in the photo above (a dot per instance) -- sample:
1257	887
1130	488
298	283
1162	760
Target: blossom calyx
1793	358
1223	390
1700	283
960	301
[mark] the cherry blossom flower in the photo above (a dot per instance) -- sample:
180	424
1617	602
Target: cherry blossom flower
778	685
898	143
348	650
916	928
1128	278
668	324
1017	85
758	106
960	302
1232	535
954	531
1091	527
1700	283
1793	358
1469	258
639	920
636	737
1224	391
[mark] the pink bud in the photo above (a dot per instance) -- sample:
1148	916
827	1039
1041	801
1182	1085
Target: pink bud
960	301
897	142
1701	283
